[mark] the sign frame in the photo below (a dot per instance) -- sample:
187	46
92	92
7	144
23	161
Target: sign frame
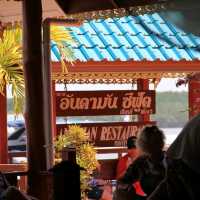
107	102
113	134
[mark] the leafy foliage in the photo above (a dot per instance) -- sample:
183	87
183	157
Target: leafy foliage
11	67
11	71
63	39
85	153
75	136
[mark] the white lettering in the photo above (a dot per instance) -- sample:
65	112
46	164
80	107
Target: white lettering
103	133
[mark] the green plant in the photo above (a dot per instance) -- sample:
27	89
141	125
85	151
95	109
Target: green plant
85	153
11	65
11	70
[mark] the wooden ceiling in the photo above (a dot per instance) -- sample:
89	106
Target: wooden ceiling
11	11
78	6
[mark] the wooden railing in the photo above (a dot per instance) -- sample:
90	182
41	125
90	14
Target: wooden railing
100	150
108	166
15	174
118	150
15	154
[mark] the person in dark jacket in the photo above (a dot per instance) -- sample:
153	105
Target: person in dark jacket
147	170
182	179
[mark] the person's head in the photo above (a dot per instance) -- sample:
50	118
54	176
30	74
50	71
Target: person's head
151	140
131	145
186	145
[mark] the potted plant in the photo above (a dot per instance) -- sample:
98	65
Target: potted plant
77	137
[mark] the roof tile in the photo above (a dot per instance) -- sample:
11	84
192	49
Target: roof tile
147	37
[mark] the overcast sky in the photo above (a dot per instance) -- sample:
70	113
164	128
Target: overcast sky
169	84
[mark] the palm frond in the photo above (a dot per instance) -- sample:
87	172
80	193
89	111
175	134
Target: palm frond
63	39
11	69
11	72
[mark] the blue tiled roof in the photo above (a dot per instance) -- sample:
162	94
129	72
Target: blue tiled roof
147	37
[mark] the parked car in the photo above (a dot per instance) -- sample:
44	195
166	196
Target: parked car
17	140
15	124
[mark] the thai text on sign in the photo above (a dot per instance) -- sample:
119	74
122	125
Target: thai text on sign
91	103
108	134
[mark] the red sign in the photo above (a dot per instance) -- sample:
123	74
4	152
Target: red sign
91	103
194	97
108	134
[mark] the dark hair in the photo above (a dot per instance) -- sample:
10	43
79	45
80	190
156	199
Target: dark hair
131	142
151	140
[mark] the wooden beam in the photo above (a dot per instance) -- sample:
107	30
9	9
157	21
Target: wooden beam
3	119
54	109
47	93
3	129
194	97
34	113
130	66
143	84
79	6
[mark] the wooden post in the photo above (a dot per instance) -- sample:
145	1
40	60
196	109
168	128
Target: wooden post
3	129
143	84
3	120
34	88
54	109
48	95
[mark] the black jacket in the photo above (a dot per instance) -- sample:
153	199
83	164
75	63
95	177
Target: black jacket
181	182
146	170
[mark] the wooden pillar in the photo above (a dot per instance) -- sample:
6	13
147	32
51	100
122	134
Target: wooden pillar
143	84
34	88
194	97
48	95
3	120
3	129
54	109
